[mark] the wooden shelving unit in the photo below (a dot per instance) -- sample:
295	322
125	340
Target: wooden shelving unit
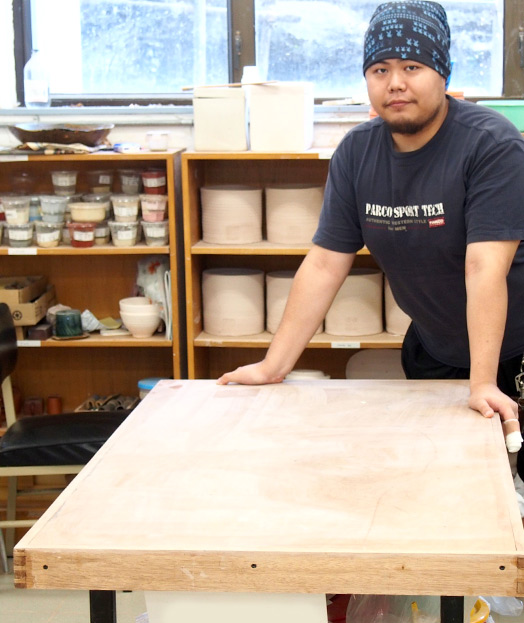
93	278
209	356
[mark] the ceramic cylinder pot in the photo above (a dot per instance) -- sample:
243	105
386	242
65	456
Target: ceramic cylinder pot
397	321
68	323
231	214
278	286
357	307
292	213
233	301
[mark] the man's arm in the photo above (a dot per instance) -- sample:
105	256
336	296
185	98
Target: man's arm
315	285
487	266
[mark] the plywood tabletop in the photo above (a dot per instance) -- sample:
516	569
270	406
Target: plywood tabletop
324	486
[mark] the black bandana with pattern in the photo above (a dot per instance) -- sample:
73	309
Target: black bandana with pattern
416	30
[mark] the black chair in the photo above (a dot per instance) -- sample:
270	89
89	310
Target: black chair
41	444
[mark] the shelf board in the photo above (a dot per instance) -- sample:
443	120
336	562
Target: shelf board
255	248
322	340
97	249
97	155
257	155
96	341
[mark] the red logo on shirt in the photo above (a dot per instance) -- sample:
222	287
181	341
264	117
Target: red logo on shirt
437	222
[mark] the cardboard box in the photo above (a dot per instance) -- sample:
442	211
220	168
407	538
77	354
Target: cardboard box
219	119
281	116
15	290
25	314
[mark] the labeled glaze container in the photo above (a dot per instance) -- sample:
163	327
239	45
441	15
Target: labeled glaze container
16	209
104	198
154	181
88	211
156	233
53	206
34	209
125	208
100	181
64	182
102	233
20	235
82	234
47	234
124	234
130	181
153	207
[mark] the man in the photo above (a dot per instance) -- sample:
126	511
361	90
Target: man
434	187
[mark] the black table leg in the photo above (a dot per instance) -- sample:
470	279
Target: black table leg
102	605
451	609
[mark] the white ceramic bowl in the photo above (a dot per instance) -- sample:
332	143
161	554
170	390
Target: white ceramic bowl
138	310
134	302
88	212
140	326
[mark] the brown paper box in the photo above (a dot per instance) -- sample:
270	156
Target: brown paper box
25	314
32	288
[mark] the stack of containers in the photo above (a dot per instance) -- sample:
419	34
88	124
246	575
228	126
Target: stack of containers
83	220
19	230
90	214
154	206
124	226
49	228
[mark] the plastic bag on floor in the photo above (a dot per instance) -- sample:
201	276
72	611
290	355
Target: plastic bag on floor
393	609
505	606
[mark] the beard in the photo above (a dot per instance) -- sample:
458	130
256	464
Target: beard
410	127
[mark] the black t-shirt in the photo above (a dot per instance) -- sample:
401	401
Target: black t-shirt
417	211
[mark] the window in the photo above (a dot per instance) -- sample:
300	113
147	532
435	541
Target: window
321	40
148	50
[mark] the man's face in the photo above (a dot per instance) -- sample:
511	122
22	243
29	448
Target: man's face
407	95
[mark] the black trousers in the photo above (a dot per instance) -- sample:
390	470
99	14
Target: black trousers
419	364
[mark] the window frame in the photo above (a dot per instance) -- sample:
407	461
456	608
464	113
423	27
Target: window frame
241	52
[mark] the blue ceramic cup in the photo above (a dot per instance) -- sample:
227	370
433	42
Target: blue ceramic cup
68	323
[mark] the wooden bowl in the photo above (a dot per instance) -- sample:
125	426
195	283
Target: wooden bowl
64	134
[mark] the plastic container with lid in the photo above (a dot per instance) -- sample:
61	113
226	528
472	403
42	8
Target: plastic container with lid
47	234
124	234
130	181
146	385
100	181
34	209
64	182
16	209
156	233
88	211
153	207
82	234
102	233
104	198
20	235
53	204
154	181
125	208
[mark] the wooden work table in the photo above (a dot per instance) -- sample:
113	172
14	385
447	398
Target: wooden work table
376	487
